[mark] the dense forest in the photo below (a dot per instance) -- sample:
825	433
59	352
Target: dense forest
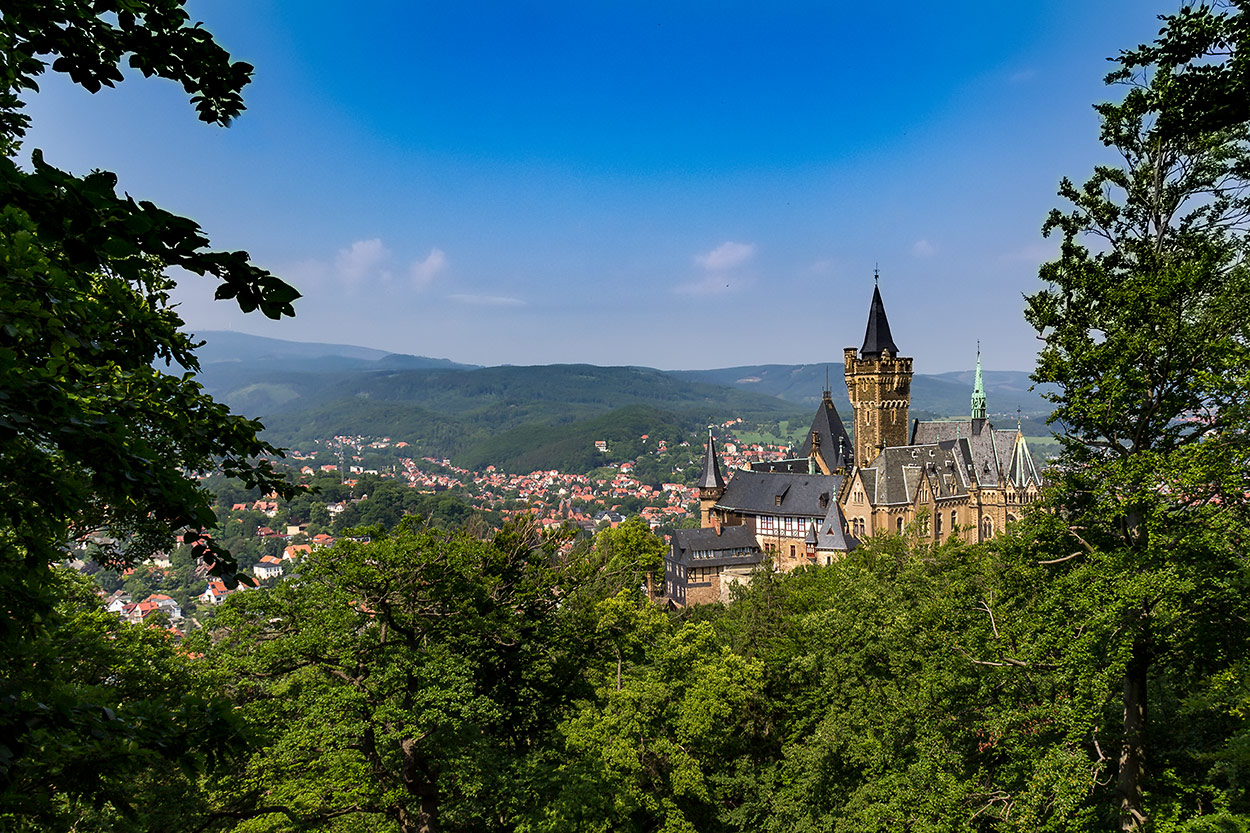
1086	670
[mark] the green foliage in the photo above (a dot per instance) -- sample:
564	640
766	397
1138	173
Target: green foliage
107	724
1147	340
97	443
93	436
408	679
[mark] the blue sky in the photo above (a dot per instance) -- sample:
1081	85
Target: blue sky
671	184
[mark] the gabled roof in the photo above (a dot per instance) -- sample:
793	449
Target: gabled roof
734	545
833	444
831	534
877	337
711	477
981	438
781	493
896	473
998	455
1022	470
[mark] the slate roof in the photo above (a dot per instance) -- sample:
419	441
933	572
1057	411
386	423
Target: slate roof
833	443
1022	469
757	492
831	534
726	549
895	475
996	455
877	337
711	478
982	443
792	465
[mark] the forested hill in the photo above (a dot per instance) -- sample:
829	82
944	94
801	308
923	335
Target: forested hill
942	394
528	417
226	347
518	418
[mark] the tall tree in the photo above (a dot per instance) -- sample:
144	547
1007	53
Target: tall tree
96	442
93	437
1147	338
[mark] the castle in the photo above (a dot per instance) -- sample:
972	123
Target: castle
936	479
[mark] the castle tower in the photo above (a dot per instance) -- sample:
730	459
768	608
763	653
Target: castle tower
878	381
711	484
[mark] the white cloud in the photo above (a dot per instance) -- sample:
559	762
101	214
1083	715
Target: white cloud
423	271
725	256
923	248
487	300
363	257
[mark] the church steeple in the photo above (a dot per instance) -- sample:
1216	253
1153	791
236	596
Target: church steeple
877	338
978	390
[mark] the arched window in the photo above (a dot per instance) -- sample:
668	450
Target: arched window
937	524
987	529
900	526
954	520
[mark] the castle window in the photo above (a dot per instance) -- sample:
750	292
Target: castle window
937	524
900	526
954	520
792	550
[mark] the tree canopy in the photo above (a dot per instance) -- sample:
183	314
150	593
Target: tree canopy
94	438
98	445
1146	337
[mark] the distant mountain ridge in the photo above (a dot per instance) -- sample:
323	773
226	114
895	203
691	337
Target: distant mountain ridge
535	416
940	394
228	346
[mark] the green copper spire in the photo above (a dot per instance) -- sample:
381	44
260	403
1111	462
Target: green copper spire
978	390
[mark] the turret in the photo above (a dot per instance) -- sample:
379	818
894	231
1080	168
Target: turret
711	483
827	447
878	382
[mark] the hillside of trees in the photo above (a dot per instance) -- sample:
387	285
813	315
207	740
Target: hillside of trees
503	415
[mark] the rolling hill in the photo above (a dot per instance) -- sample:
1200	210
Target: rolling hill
530	417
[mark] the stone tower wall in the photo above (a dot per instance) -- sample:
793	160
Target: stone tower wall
880	393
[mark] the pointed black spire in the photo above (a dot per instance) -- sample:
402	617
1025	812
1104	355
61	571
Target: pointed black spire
877	337
828	438
711	478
